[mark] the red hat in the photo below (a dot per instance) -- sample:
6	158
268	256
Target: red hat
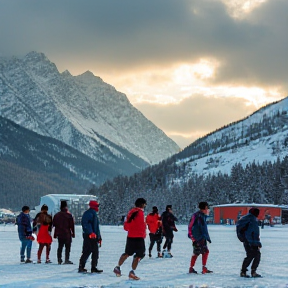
93	204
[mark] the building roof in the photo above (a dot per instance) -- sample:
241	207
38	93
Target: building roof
251	205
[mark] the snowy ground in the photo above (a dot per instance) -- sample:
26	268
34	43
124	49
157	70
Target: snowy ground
226	255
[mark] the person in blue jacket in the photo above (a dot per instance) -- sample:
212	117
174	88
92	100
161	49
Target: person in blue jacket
23	222
91	238
198	233
248	227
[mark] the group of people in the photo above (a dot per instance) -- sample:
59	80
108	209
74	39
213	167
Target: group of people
42	226
135	224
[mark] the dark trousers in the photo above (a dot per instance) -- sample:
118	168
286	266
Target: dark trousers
168	243
252	254
155	238
61	243
90	246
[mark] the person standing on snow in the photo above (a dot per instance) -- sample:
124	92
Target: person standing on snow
153	221
248	232
23	221
64	230
135	243
43	225
91	238
198	233
168	226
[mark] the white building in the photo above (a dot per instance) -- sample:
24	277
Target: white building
77	204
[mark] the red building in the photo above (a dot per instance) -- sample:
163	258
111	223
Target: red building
230	213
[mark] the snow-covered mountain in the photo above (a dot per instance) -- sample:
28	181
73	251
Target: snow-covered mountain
262	136
81	111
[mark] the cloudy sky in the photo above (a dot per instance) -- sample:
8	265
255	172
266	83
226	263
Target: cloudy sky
190	66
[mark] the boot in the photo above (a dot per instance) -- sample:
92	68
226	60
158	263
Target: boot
28	261
192	270
132	276
254	274
82	270
95	270
48	261
68	262
243	274
205	270
117	271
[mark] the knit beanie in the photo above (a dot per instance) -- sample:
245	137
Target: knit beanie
254	211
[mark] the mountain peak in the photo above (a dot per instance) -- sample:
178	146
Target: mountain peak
33	55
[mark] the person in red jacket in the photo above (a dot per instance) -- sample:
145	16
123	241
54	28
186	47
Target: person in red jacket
43	224
153	221
135	244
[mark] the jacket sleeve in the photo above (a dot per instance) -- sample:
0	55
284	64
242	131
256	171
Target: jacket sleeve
86	222
72	226
190	235
252	234
27	225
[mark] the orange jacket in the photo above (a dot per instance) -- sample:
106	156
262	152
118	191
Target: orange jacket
135	223
153	222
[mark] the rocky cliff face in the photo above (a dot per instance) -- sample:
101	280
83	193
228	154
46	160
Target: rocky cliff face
81	111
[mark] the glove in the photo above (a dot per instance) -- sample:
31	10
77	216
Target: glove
92	235
30	238
100	242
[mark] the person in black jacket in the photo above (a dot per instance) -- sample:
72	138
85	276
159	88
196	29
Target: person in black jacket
64	230
23	221
91	238
168	226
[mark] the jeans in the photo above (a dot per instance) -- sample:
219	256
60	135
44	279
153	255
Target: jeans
26	244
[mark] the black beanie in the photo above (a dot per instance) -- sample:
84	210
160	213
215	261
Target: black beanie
254	211
168	207
63	204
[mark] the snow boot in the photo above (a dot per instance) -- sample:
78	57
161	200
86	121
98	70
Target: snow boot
205	270
82	270
254	274
28	261
243	274
117	271
67	262
132	276
192	270
95	270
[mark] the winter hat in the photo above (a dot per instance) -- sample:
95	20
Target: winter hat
93	204
254	211
202	205
154	209
168	207
44	207
63	204
25	208
139	202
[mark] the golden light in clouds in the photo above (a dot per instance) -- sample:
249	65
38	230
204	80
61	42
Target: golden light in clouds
240	8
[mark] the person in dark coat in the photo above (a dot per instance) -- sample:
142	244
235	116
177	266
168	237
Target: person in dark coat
198	233
42	225
64	231
249	227
23	221
91	238
168	226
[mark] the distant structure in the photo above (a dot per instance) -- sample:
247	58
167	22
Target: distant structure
270	214
77	204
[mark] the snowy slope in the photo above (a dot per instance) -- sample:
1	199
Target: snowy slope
244	142
82	111
225	263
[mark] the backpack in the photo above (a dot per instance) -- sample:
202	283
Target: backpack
240	230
